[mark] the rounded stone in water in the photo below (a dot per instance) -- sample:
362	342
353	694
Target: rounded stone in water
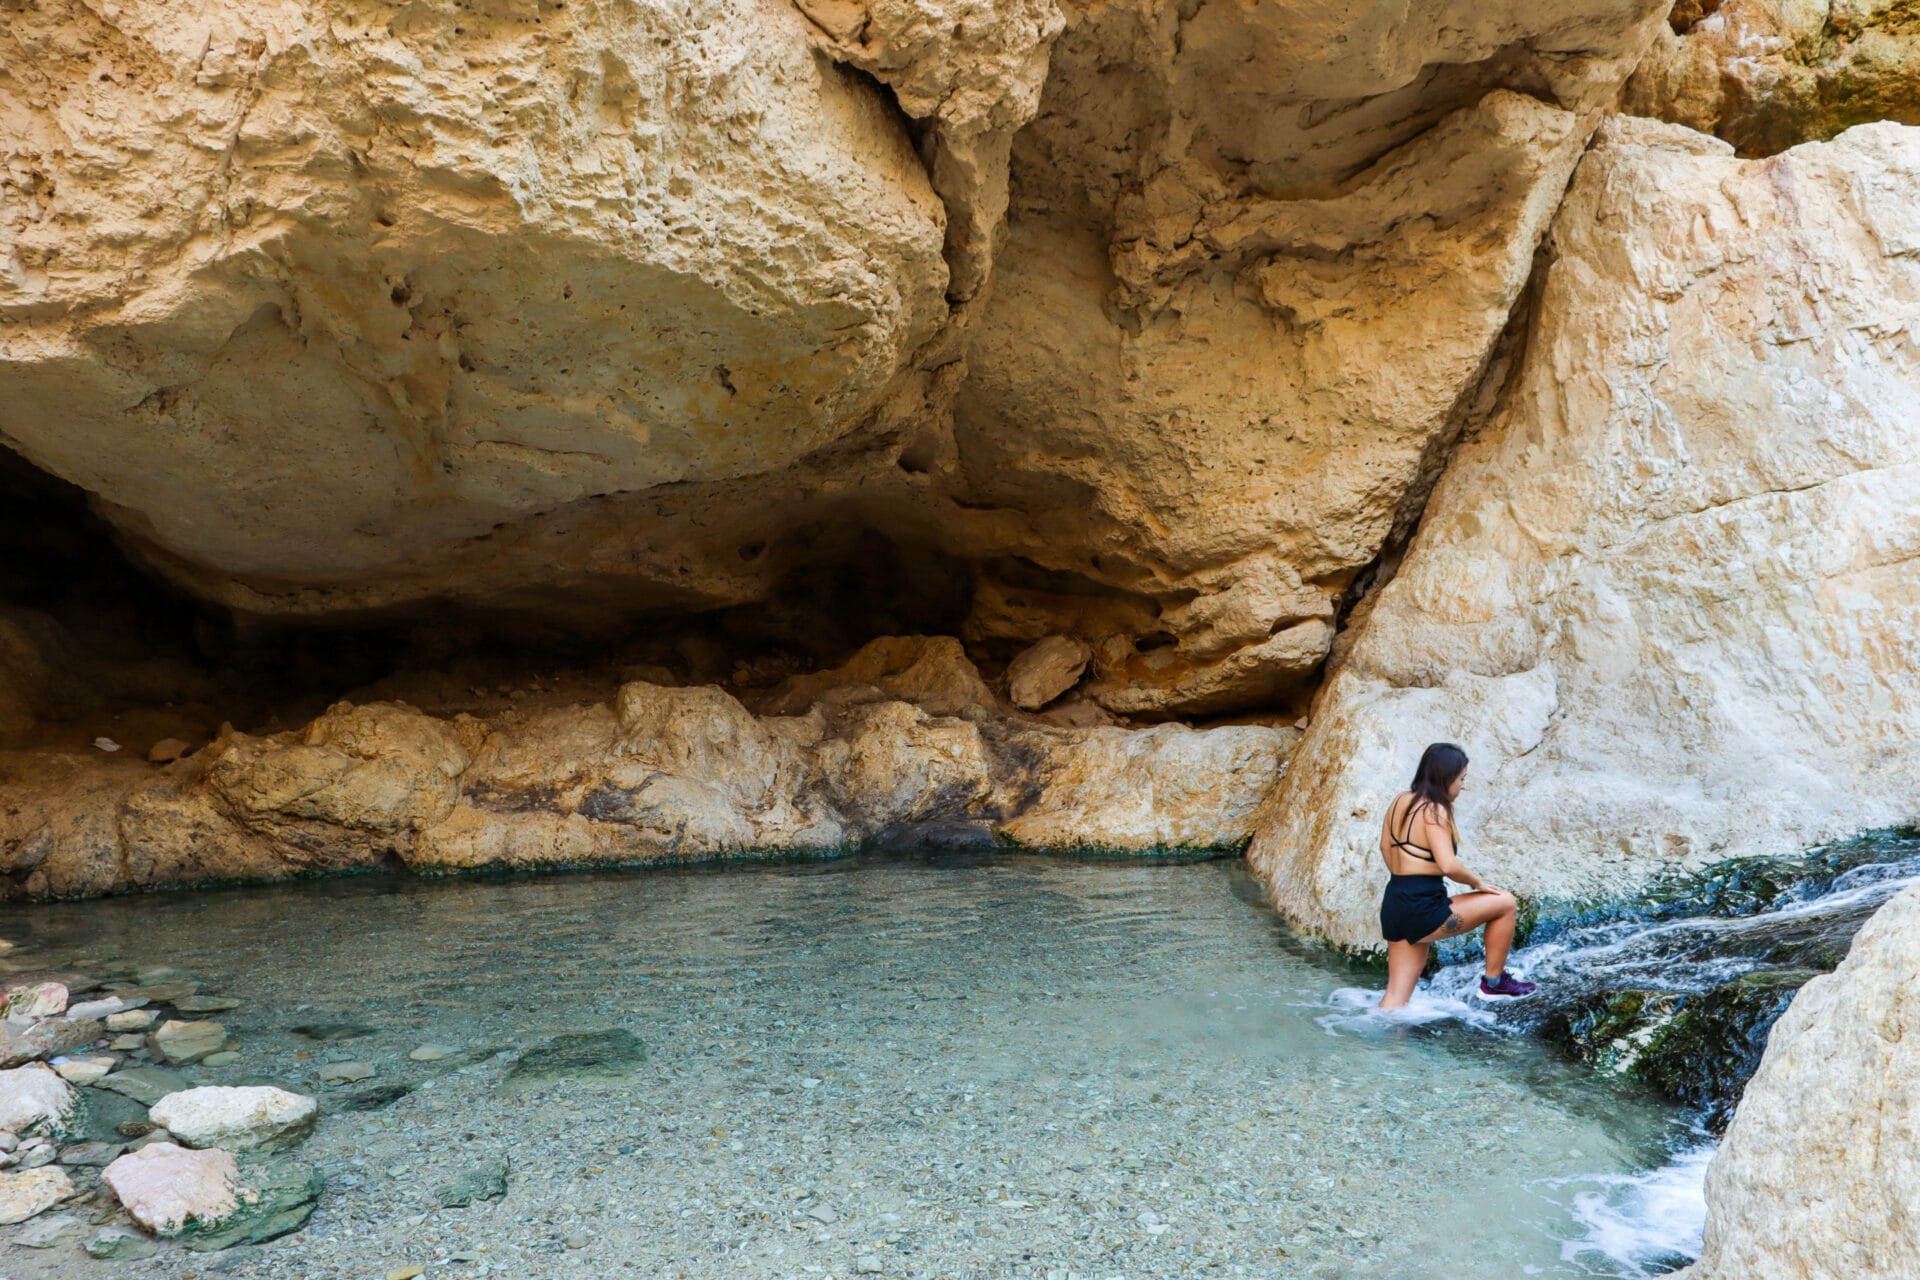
606	1055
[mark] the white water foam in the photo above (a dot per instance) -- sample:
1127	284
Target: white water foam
1644	1224
1357	1009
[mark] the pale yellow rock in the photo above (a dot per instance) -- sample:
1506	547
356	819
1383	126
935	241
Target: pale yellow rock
41	1000
1766	75
651	306
1045	670
1168	787
916	745
1819	1175
494	265
24	1194
180	1042
1237	392
1665	598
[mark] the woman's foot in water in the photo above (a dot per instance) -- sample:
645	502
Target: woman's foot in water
1506	987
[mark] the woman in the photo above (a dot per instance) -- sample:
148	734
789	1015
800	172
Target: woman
1417	841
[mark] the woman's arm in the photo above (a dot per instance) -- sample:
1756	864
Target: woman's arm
1440	840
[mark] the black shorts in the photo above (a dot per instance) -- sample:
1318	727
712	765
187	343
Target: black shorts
1413	907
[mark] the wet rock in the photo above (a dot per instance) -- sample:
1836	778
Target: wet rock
224	1058
433	1053
132	1042
380	1095
91	1154
1045	670
237	1119
165	1187
103	1008
35	1100
607	1055
205	1004
180	1043
40	1000
333	1030
276	1196
131	1020
117	1244
485	1181
84	1069
35	1157
30	1041
24	1194
347	1072
47	1230
145	1084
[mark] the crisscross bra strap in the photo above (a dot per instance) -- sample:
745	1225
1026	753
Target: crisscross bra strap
1404	841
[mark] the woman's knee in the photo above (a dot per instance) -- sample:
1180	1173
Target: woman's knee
1509	905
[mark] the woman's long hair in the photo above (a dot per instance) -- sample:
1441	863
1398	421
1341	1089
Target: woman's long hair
1440	764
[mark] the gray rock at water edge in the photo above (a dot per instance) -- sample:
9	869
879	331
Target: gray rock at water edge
20	1044
348	1072
283	1195
433	1052
91	1154
180	1043
145	1084
600	1055
117	1244
333	1030
205	1004
35	1157
47	1231
372	1099
485	1181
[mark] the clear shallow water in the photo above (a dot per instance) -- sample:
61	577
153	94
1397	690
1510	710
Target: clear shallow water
1024	1067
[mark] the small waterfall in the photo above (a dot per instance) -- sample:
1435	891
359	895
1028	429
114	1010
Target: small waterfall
1680	988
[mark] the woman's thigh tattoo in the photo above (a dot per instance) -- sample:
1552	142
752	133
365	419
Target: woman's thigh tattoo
1454	925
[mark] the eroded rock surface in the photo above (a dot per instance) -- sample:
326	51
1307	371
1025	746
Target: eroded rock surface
1666	598
1819	1175
1768	74
594	308
905	742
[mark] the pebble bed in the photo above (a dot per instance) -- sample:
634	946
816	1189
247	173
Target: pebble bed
907	1067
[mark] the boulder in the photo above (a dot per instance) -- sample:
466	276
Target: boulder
23	1194
30	1040
165	1186
237	1118
1818	1177
39	1000
1045	670
1662	596
180	1043
35	1100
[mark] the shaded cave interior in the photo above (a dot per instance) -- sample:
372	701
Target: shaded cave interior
93	645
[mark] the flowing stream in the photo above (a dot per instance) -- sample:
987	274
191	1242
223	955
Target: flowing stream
907	1066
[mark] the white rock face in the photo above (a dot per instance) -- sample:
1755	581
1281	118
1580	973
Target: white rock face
905	738
32	1191
41	1000
238	1119
34	1100
165	1186
1819	1175
1666	597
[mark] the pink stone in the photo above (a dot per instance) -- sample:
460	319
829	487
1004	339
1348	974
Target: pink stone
165	1186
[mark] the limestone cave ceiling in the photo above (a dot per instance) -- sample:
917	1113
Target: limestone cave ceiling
1157	317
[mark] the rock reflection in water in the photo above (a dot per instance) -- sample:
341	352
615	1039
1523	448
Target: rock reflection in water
929	1067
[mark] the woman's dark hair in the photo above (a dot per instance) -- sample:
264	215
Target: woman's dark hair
1440	764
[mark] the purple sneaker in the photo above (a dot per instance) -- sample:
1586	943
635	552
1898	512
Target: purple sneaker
1506	987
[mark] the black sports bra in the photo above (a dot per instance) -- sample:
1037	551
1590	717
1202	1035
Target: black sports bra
1404	842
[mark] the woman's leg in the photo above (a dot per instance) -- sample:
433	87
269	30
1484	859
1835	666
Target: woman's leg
1405	962
1493	908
